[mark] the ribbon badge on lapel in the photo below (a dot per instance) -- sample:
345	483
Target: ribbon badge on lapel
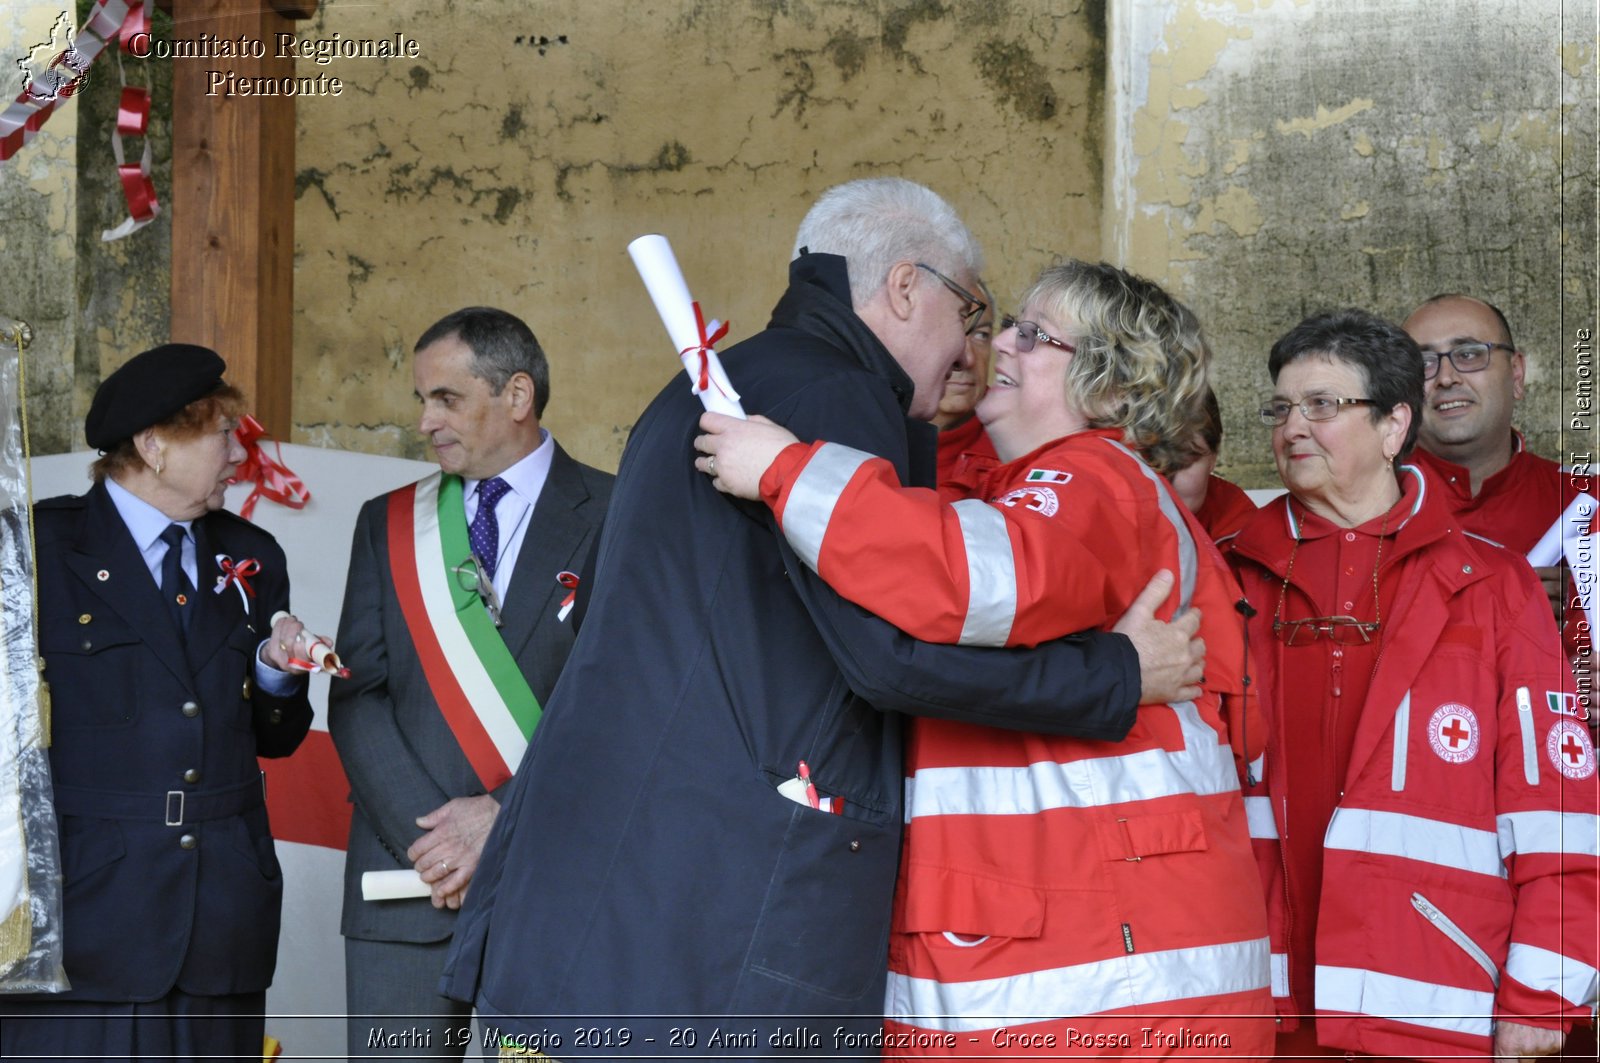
569	580
239	575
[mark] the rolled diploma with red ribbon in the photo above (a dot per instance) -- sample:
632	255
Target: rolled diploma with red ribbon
658	268
319	655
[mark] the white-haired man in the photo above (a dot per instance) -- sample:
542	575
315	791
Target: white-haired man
708	819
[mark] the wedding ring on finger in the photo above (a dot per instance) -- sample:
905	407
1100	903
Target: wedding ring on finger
711	465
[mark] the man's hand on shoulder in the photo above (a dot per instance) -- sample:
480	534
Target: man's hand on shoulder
447	855
1172	659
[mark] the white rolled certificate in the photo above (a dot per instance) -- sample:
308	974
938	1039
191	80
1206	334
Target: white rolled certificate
658	268
1570	538
393	885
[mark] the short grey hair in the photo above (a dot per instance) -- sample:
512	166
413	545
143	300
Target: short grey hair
502	346
878	221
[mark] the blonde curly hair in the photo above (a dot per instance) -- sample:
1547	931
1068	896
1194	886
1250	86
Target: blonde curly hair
1141	361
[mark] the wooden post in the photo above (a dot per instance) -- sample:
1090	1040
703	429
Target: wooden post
233	202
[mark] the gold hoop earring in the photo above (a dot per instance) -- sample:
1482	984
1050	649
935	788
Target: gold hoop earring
159	467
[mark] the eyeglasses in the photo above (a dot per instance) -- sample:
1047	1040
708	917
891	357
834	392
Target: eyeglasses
1344	630
1339	630
1467	358
975	306
1312	408
1030	335
471	577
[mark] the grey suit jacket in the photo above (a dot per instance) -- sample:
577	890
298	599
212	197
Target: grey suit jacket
400	754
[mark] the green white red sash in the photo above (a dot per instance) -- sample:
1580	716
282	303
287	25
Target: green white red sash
479	688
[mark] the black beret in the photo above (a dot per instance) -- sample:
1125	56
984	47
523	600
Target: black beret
149	388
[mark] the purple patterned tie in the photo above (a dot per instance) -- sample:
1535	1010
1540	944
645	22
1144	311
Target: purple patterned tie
485	531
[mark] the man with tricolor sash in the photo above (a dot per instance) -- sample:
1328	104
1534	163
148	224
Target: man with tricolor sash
455	626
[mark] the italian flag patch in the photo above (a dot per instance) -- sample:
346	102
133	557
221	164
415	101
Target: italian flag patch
1048	476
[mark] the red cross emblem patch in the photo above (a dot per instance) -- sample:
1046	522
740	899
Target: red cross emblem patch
1040	499
1453	733
1570	750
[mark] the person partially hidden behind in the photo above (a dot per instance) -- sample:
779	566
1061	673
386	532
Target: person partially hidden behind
1221	507
167	679
457	607
964	449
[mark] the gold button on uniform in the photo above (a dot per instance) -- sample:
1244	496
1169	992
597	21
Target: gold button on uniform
191	709
244	691
192	775
188	841
85	618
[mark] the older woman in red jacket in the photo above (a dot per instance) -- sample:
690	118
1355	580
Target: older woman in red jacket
1426	810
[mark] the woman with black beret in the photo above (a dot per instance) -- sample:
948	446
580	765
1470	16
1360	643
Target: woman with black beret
168	678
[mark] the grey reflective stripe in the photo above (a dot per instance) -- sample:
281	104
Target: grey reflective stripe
1567	833
814	494
1432	841
1141	978
991	574
1447	926
1404	1000
1530	747
1188	557
1203	765
1551	972
1402	741
1258	818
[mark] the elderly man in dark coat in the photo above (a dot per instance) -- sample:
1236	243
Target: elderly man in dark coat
707	822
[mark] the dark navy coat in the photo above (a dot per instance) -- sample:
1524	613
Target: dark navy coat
645	862
146	734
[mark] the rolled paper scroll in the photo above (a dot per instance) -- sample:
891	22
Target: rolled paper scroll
319	655
1572	538
693	339
393	885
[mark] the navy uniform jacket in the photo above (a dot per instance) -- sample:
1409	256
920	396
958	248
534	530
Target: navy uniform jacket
145	733
645	863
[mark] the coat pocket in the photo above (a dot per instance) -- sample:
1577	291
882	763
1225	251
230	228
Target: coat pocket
1447	926
967	910
95	667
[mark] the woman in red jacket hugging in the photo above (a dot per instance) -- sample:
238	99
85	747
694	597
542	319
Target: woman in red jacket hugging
1426	813
1057	896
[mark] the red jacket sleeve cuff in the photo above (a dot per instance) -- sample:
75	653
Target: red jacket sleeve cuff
782	473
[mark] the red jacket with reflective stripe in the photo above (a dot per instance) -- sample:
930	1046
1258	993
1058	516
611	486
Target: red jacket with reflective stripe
1043	874
1463	850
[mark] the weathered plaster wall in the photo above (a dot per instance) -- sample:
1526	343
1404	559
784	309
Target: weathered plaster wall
513	160
38	278
1271	158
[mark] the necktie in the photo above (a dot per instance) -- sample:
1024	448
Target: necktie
176	590
485	531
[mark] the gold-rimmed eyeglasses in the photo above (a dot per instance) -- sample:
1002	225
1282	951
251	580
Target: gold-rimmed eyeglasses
1312	408
1343	630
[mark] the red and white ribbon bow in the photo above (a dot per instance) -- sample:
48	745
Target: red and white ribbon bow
273	479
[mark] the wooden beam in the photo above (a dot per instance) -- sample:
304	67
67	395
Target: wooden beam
233	203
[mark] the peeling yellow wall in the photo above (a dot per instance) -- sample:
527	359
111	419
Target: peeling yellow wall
1369	153
514	159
